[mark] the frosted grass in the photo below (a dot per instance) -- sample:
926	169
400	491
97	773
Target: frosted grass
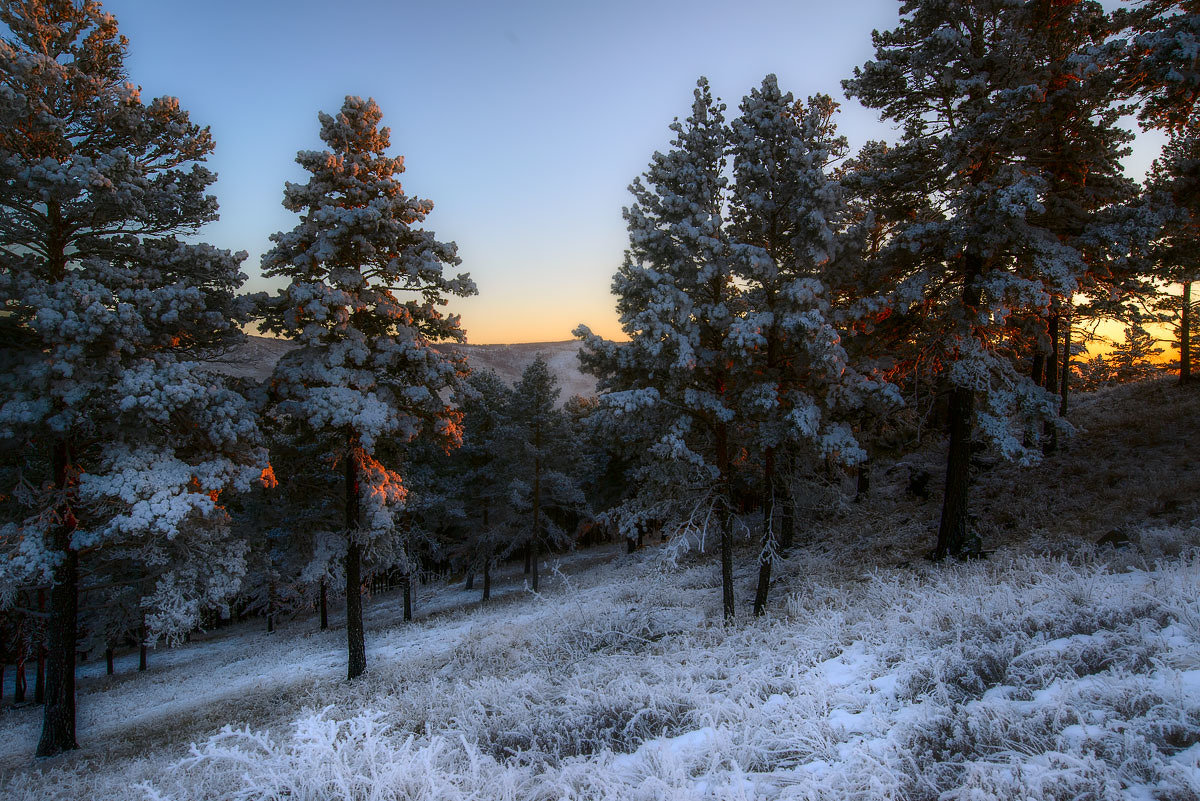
1020	677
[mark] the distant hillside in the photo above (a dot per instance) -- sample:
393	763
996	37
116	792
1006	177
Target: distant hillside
256	358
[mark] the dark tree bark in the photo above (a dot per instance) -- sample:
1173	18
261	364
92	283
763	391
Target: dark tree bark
953	528
143	651
864	481
39	680
406	581
324	602
1185	335
470	585
1038	374
537	501
58	721
952	531
109	665
355	639
1050	443
726	488
631	544
487	579
19	678
1064	381
767	554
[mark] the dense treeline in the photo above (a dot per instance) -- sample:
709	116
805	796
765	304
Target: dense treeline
792	311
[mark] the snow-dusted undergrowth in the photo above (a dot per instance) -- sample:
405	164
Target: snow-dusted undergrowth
1022	677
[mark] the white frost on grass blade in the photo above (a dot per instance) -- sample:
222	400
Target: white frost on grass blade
1018	678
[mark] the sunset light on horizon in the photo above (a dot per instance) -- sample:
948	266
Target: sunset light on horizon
524	124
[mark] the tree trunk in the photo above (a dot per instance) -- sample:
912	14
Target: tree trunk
528	559
952	532
726	490
864	481
143	655
407	582
355	640
19	679
953	527
1050	443
1185	335
1064	382
487	579
470	585
39	680
1038	374
537	500
324	601
58	721
767	555
109	664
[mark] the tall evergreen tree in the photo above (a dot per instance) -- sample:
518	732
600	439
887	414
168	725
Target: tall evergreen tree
969	80
105	314
365	369
1161	67
677	299
485	401
790	217
541	455
1174	184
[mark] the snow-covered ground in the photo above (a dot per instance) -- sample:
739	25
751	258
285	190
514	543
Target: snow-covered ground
1019	677
1055	669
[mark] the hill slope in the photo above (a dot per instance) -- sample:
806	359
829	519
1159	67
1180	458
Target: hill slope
1054	670
257	356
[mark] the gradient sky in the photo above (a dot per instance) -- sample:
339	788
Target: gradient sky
524	122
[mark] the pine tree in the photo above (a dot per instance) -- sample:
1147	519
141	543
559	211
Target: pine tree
482	477
791	221
969	80
678	300
1174	185
1133	359
128	441
541	458
365	369
1160	63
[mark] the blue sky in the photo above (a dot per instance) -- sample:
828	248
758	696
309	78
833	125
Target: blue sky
523	122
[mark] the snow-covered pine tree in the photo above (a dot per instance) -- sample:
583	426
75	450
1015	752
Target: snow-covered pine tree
540	454
1161	64
797	386
1073	143
677	299
968	80
364	303
105	313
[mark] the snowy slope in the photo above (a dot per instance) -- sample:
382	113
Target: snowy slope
257	356
1056	669
1024	677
